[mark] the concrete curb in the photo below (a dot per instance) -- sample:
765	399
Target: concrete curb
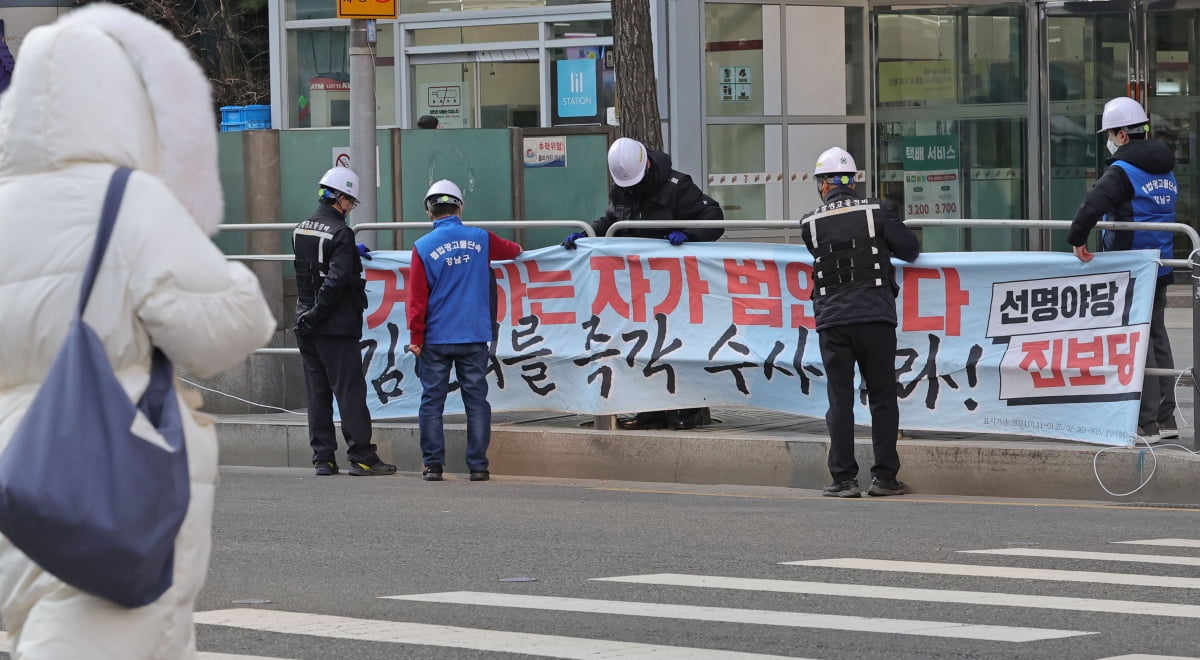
960	467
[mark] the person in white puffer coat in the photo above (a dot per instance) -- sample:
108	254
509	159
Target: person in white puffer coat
100	88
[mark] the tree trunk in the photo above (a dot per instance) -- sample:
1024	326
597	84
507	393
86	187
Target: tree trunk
637	89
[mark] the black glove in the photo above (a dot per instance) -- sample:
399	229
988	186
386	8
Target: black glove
303	326
569	243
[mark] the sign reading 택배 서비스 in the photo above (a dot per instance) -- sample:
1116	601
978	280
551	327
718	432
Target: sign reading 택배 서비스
931	177
994	342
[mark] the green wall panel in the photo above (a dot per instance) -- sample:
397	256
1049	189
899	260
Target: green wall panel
578	191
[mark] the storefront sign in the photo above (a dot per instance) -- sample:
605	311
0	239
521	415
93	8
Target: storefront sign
546	151
450	102
994	342
576	88
366	9
931	177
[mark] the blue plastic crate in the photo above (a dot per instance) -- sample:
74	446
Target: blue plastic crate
257	116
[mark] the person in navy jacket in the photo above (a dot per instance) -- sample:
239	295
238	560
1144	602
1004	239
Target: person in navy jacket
451	320
1138	186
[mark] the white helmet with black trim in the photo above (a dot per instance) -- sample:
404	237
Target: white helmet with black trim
443	192
341	180
1123	112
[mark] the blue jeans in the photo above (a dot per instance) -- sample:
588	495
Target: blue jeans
470	362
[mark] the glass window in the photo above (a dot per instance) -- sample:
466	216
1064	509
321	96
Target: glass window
605	79
508	94
970	55
825	51
575	29
319	85
307	9
1088	56
477	34
445	91
734	78
734	151
426	6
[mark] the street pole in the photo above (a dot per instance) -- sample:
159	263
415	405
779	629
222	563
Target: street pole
1195	273
362	123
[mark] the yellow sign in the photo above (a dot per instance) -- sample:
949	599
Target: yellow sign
366	8
917	80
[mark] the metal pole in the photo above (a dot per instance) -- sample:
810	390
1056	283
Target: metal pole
362	122
1195	272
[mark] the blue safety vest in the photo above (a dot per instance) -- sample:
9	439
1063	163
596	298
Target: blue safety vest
1153	200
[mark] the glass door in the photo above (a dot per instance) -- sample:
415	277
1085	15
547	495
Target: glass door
485	89
1090	57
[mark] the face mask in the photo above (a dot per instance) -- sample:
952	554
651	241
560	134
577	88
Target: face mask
1112	146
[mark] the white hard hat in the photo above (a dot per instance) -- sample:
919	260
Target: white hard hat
443	192
343	180
1122	112
627	162
835	160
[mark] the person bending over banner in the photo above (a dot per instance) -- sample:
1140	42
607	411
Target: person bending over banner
645	187
854	300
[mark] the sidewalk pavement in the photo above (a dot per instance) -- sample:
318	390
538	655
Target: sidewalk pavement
755	447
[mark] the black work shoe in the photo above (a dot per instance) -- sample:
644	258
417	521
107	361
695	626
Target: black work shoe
644	421
432	472
480	475
325	468
682	420
884	487
376	470
1168	430
847	488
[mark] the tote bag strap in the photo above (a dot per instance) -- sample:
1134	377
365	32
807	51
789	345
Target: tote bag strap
108	218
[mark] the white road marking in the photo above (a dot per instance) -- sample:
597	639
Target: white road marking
1169	543
762	617
199	656
933	568
1094	556
1141	656
923	595
395	632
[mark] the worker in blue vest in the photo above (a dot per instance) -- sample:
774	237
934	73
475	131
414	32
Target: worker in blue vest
1138	186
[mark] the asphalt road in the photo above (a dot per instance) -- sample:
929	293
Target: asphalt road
335	546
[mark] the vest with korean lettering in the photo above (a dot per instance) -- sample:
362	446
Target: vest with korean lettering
848	247
1154	197
462	288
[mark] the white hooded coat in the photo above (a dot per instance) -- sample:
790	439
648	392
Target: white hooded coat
101	88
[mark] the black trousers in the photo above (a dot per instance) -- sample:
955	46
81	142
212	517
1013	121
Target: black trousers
1158	392
873	347
333	368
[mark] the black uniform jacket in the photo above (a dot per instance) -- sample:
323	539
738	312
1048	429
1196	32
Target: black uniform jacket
866	304
663	194
329	274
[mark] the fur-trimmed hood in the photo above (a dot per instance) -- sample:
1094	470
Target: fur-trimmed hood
105	85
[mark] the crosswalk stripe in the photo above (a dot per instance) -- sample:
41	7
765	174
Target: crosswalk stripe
933	568
1094	556
199	656
762	617
1170	543
396	632
909	594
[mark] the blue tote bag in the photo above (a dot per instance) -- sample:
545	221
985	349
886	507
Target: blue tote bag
81	494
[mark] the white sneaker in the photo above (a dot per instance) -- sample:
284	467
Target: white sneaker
1149	438
1168	431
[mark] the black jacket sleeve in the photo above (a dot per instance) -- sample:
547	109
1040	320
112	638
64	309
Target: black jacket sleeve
901	241
1111	190
692	204
341	276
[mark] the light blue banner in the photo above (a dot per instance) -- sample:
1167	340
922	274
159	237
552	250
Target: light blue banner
995	342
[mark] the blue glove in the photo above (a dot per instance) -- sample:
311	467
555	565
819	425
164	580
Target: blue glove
364	252
677	237
570	242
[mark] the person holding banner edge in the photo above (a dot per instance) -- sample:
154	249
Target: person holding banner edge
1138	186
852	240
452	322
645	187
